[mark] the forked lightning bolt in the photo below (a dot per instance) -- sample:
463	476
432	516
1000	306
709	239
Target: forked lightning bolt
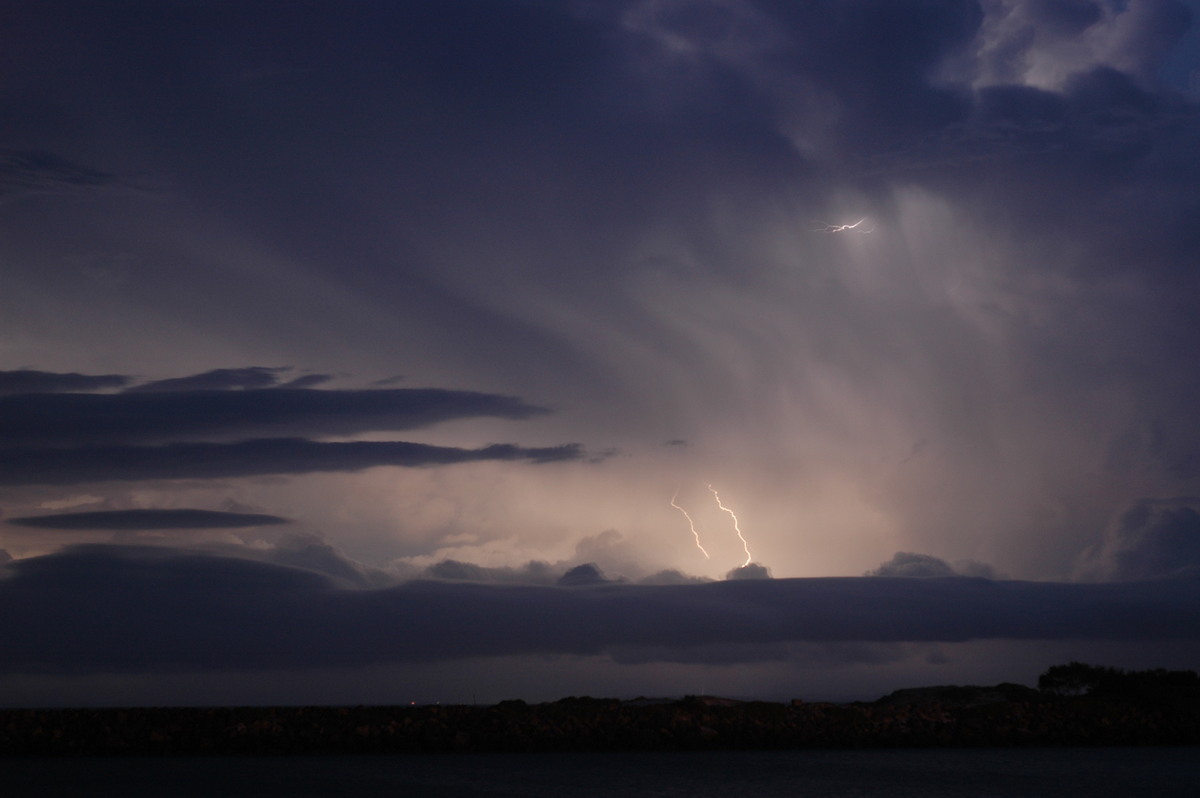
691	524
736	528
845	228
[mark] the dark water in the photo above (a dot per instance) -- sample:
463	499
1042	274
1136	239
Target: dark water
1092	772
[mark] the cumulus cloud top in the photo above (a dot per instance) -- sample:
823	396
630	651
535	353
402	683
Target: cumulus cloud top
913	565
749	571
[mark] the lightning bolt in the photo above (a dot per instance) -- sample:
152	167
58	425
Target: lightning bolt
736	528
844	228
691	524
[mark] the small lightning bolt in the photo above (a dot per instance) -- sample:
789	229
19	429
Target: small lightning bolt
844	228
736	528
691	524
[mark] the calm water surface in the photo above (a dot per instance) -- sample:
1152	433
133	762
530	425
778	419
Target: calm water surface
1092	772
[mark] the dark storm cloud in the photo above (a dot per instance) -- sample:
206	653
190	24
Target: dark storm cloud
80	464
33	381
148	519
97	608
35	420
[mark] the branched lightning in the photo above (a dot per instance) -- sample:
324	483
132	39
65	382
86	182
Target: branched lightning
844	228
691	524
736	528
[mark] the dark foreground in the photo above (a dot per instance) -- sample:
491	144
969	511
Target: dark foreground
1158	771
1008	715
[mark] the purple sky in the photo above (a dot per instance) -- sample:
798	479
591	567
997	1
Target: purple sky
456	351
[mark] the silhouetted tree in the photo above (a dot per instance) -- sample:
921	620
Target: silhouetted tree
1076	678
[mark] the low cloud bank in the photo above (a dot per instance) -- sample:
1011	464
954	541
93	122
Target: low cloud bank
141	609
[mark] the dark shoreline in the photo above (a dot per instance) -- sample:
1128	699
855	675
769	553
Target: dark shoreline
1006	716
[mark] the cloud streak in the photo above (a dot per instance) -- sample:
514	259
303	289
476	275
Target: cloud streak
247	378
246	458
59	419
25	381
148	519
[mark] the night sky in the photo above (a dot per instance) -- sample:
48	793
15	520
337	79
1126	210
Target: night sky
458	351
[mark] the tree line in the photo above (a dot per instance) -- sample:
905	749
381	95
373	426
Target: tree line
1078	678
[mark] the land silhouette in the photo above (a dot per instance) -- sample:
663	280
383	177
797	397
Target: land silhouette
1074	704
